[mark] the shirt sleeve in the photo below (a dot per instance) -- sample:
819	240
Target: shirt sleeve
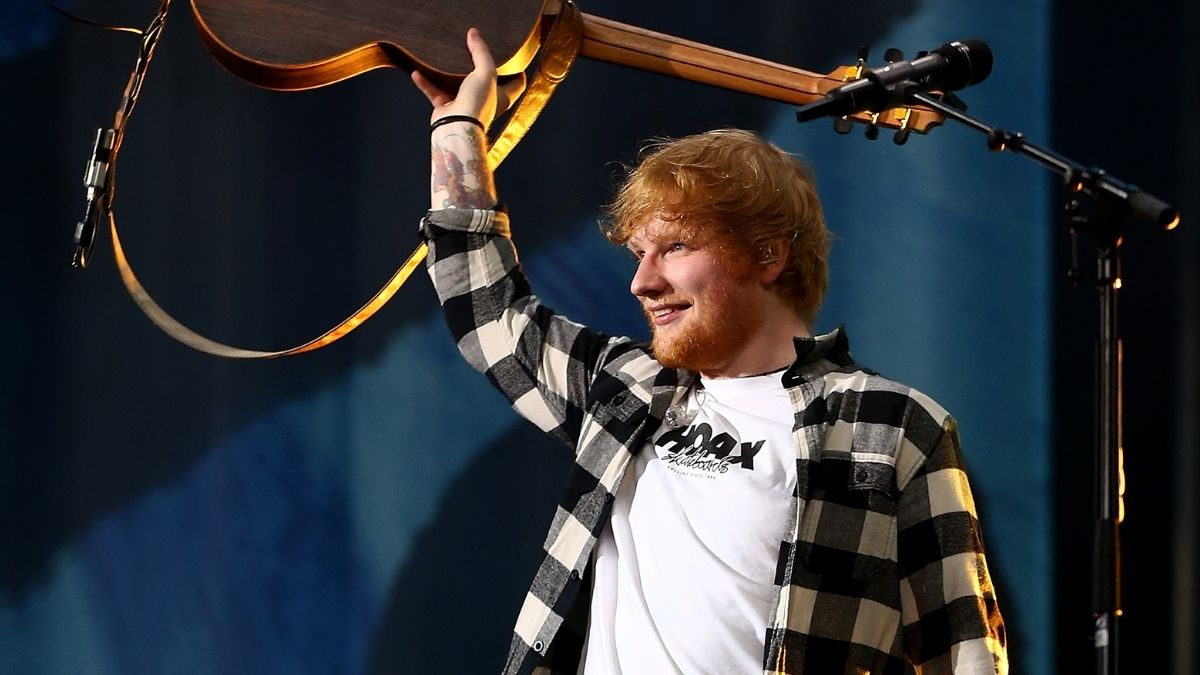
542	362
952	623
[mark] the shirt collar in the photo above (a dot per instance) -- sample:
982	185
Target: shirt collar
833	346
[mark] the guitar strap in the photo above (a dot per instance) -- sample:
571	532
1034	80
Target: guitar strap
559	49
558	52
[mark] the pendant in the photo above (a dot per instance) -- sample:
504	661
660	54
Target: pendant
677	416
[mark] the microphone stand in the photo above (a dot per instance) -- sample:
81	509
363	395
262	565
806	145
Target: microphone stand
1115	202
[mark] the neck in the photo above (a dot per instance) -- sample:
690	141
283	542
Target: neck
769	348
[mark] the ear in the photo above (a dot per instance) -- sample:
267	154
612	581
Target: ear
777	253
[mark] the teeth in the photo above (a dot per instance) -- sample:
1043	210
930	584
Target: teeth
663	311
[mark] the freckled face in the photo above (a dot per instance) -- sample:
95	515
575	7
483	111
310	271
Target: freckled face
700	304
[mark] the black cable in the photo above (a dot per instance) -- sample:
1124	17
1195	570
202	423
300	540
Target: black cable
94	24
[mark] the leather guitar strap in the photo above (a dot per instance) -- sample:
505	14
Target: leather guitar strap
559	49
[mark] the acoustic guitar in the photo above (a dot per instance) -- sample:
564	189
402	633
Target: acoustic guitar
300	44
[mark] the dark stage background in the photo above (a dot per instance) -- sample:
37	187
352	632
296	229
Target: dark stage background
374	507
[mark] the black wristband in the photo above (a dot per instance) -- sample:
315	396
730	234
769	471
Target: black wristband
456	118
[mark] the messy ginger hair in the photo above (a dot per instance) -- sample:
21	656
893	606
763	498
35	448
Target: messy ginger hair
742	194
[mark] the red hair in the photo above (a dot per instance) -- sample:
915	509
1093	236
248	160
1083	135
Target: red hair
749	196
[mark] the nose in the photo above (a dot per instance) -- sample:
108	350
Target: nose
647	280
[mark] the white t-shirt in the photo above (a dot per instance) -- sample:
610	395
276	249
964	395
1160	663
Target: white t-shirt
684	569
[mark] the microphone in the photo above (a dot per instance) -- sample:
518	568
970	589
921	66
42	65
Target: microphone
952	66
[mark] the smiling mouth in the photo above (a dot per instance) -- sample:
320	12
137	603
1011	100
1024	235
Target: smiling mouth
664	314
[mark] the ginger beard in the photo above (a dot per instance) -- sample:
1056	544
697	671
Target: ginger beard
717	324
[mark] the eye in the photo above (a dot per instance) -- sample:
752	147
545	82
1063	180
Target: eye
676	247
635	253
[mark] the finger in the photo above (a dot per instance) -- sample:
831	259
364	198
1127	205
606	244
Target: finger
436	95
481	54
477	95
509	91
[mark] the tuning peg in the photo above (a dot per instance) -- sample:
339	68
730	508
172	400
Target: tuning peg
904	115
842	125
893	55
873	127
864	53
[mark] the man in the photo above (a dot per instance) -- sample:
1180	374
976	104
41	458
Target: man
744	497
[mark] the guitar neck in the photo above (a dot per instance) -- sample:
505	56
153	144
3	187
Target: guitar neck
643	49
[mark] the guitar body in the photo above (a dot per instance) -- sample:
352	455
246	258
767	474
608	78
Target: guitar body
301	44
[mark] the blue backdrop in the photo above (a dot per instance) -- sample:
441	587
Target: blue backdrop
375	507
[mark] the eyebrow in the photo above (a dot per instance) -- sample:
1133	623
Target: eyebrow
670	234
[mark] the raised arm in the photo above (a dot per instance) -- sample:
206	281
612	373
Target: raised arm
542	362
459	175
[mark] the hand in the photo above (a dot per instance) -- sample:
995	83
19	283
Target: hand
478	96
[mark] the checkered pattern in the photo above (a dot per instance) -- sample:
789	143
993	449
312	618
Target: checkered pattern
881	567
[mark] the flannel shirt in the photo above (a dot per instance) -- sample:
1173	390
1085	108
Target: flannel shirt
881	566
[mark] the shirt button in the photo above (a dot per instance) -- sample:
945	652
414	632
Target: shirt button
538	646
574	575
618	399
861	476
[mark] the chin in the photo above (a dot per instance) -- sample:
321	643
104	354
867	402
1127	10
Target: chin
697	350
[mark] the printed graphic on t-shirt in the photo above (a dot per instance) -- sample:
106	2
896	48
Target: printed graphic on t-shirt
695	451
684	581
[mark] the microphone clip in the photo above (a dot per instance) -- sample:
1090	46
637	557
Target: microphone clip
887	96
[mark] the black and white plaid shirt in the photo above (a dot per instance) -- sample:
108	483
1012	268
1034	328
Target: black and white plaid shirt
881	564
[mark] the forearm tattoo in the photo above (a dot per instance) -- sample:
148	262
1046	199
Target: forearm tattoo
459	175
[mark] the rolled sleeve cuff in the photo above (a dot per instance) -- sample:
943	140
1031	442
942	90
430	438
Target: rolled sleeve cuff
484	221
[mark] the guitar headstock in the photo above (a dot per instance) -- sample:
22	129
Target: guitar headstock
903	119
